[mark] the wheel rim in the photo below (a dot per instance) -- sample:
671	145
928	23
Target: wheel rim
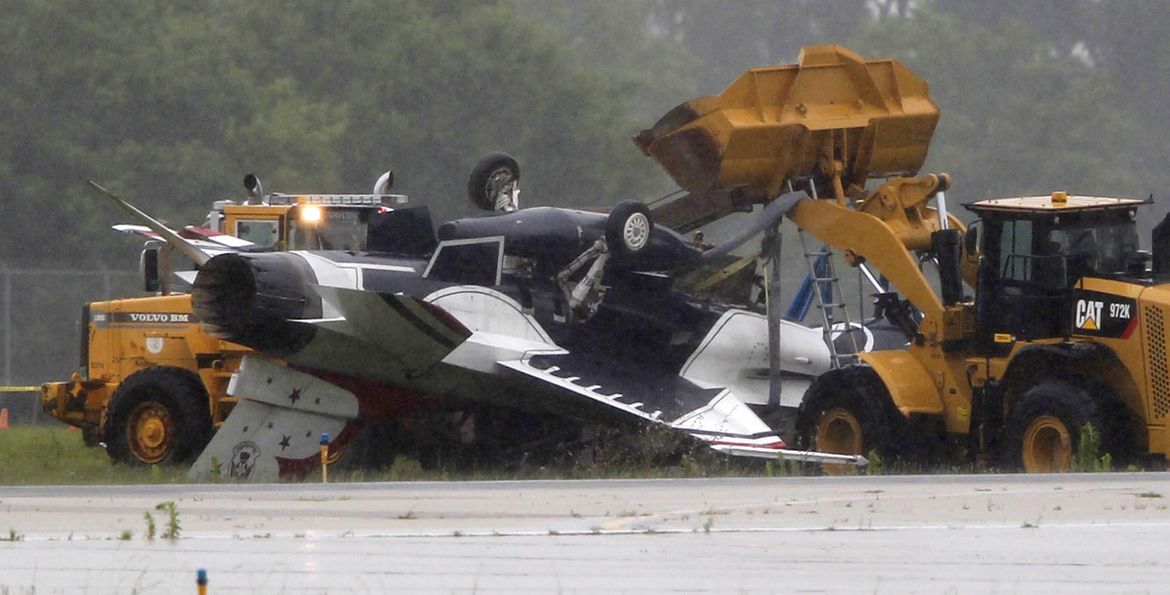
636	231
839	432
499	183
150	431
1047	446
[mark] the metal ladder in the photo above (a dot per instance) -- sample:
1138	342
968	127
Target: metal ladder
825	281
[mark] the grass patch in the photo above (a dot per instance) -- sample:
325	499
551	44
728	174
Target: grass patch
57	456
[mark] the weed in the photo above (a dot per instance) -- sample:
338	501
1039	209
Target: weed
173	527
1149	495
1088	457
553	532
875	463
574	514
457	533
126	535
407	516
709	524
13	535
150	526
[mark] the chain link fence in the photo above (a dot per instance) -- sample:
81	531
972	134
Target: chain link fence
40	336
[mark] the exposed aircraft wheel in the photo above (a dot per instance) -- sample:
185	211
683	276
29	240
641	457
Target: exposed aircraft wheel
627	230
157	415
1044	427
496	174
843	413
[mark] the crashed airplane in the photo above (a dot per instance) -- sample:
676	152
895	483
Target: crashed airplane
549	310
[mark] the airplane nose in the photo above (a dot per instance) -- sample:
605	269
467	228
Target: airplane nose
253	299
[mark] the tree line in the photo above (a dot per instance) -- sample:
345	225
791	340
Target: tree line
171	103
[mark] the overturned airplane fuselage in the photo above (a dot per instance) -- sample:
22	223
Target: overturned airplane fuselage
526	309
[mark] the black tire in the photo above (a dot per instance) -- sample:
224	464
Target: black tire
628	228
846	411
492	173
158	415
1043	429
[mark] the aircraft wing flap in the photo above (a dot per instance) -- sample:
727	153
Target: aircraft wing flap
713	415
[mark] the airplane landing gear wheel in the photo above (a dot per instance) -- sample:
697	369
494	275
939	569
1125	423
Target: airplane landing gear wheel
628	228
493	178
157	415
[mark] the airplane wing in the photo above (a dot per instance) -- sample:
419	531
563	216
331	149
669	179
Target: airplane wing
195	253
712	415
213	245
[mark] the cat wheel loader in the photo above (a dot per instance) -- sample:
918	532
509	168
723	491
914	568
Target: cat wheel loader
1045	319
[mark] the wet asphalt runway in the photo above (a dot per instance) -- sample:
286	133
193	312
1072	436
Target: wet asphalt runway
948	534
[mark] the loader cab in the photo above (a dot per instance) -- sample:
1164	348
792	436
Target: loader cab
1035	250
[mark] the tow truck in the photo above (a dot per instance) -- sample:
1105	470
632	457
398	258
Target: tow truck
151	386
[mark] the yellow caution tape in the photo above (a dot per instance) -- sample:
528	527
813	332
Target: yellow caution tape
20	389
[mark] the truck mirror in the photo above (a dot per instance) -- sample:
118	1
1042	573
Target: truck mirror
148	269
971	240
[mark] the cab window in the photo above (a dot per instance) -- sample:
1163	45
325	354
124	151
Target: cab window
262	232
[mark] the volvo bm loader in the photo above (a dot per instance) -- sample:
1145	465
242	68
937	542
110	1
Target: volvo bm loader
1045	317
151	385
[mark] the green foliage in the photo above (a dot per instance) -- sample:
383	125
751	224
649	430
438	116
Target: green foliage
151	528
173	528
1088	457
1020	114
64	459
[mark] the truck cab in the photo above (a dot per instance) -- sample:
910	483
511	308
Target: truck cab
304	221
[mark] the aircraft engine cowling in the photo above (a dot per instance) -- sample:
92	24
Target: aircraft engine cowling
250	298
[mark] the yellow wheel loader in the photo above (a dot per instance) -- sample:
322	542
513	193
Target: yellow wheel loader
1045	319
152	385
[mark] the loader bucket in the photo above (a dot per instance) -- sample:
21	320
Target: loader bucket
776	123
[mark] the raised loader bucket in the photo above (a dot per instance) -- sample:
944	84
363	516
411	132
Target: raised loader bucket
872	117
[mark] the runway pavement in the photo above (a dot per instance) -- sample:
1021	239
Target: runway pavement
937	534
